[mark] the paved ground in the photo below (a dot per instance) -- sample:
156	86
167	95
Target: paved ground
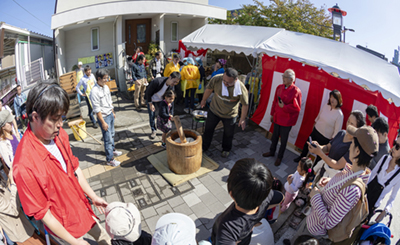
201	198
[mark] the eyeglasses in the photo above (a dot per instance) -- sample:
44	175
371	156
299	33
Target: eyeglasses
396	145
228	83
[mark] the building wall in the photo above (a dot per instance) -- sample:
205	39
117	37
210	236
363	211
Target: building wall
8	61
61	54
78	44
65	5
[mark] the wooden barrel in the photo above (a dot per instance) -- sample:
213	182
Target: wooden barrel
184	158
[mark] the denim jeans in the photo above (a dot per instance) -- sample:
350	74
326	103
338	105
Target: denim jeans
153	115
284	133
229	130
90	110
192	93
108	137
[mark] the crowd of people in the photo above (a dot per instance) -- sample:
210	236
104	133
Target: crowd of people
46	189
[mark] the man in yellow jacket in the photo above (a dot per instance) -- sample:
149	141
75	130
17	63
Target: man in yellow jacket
172	66
190	75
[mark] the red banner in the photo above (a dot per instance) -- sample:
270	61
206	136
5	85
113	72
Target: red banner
184	52
315	85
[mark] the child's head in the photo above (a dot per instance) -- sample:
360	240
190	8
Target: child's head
123	221
305	165
306	240
249	183
169	96
277	185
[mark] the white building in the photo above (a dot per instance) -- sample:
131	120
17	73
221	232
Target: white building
86	29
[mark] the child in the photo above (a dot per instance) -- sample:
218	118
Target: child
165	114
296	181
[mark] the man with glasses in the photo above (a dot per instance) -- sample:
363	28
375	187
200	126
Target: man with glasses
154	95
229	92
284	113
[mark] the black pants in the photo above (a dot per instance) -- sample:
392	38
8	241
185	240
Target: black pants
316	136
229	129
283	132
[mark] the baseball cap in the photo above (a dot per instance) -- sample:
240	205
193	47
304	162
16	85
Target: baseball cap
174	229
367	137
80	63
123	221
5	117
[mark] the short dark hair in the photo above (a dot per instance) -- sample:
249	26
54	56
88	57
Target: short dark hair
338	97
140	57
363	158
249	183
306	240
175	74
381	125
158	53
47	98
87	67
169	93
176	56
359	117
18	86
372	111
140	48
230	72
101	73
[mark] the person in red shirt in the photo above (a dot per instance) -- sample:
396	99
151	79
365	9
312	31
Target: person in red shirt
284	113
50	184
139	51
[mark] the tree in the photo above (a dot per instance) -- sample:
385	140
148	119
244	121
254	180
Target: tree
298	16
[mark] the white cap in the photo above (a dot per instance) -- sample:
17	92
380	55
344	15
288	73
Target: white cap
174	229
80	63
123	221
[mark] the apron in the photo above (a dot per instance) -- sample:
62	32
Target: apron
375	189
89	85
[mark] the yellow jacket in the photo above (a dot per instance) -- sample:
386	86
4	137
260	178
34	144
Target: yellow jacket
191	74
170	67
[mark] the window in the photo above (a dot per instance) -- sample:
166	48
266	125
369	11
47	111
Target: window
141	33
95	39
174	31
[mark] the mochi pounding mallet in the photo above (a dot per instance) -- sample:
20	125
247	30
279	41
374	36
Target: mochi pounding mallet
179	128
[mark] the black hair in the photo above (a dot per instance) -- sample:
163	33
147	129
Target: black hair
47	98
140	57
380	125
306	166
18	86
87	67
338	97
169	93
372	111
277	185
100	73
363	158
180	63
359	118
249	183
306	240
176	56
230	72
140	48
175	74
158	53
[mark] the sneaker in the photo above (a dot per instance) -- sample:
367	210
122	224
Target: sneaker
113	163
163	145
186	110
95	125
225	154
117	153
153	135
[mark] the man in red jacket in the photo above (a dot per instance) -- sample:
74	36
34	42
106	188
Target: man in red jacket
284	113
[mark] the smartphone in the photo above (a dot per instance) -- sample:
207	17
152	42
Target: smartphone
279	98
311	143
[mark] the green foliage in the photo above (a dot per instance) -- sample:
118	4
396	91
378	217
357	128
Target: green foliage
292	15
74	67
153	49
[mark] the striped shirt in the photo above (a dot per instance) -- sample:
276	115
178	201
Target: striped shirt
329	208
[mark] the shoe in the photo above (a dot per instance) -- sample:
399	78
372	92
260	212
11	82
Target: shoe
143	104
113	163
297	159
95	125
268	154
153	135
138	109
186	110
278	161
163	145
286	242
117	153
225	154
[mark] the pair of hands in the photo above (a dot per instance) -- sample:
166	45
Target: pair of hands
315	150
104	125
242	122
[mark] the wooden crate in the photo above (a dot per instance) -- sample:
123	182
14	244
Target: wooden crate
68	82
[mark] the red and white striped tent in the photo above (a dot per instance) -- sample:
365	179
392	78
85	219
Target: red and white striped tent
364	78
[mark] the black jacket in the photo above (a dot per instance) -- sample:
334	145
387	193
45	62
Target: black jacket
163	110
155	86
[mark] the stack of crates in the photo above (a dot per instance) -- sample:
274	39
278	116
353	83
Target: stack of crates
68	83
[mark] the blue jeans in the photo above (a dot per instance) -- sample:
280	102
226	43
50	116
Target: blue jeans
153	115
108	137
90	110
192	93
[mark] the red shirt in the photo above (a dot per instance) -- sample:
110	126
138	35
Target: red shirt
43	184
288	114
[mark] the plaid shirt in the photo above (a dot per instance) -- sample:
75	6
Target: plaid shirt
153	67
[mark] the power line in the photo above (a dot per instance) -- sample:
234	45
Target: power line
42	30
31	14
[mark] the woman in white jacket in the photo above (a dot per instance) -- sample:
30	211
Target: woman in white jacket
8	141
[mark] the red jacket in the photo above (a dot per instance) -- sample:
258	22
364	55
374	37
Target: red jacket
288	114
43	184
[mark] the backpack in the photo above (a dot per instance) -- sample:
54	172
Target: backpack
354	218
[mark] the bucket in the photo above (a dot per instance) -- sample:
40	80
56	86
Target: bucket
81	133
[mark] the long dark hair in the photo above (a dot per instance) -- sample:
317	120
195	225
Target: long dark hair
306	166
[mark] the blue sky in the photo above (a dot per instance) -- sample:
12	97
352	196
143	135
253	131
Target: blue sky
375	24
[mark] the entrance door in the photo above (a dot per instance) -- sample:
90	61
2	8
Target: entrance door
137	33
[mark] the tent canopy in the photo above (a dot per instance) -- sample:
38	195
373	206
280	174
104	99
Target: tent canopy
332	56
